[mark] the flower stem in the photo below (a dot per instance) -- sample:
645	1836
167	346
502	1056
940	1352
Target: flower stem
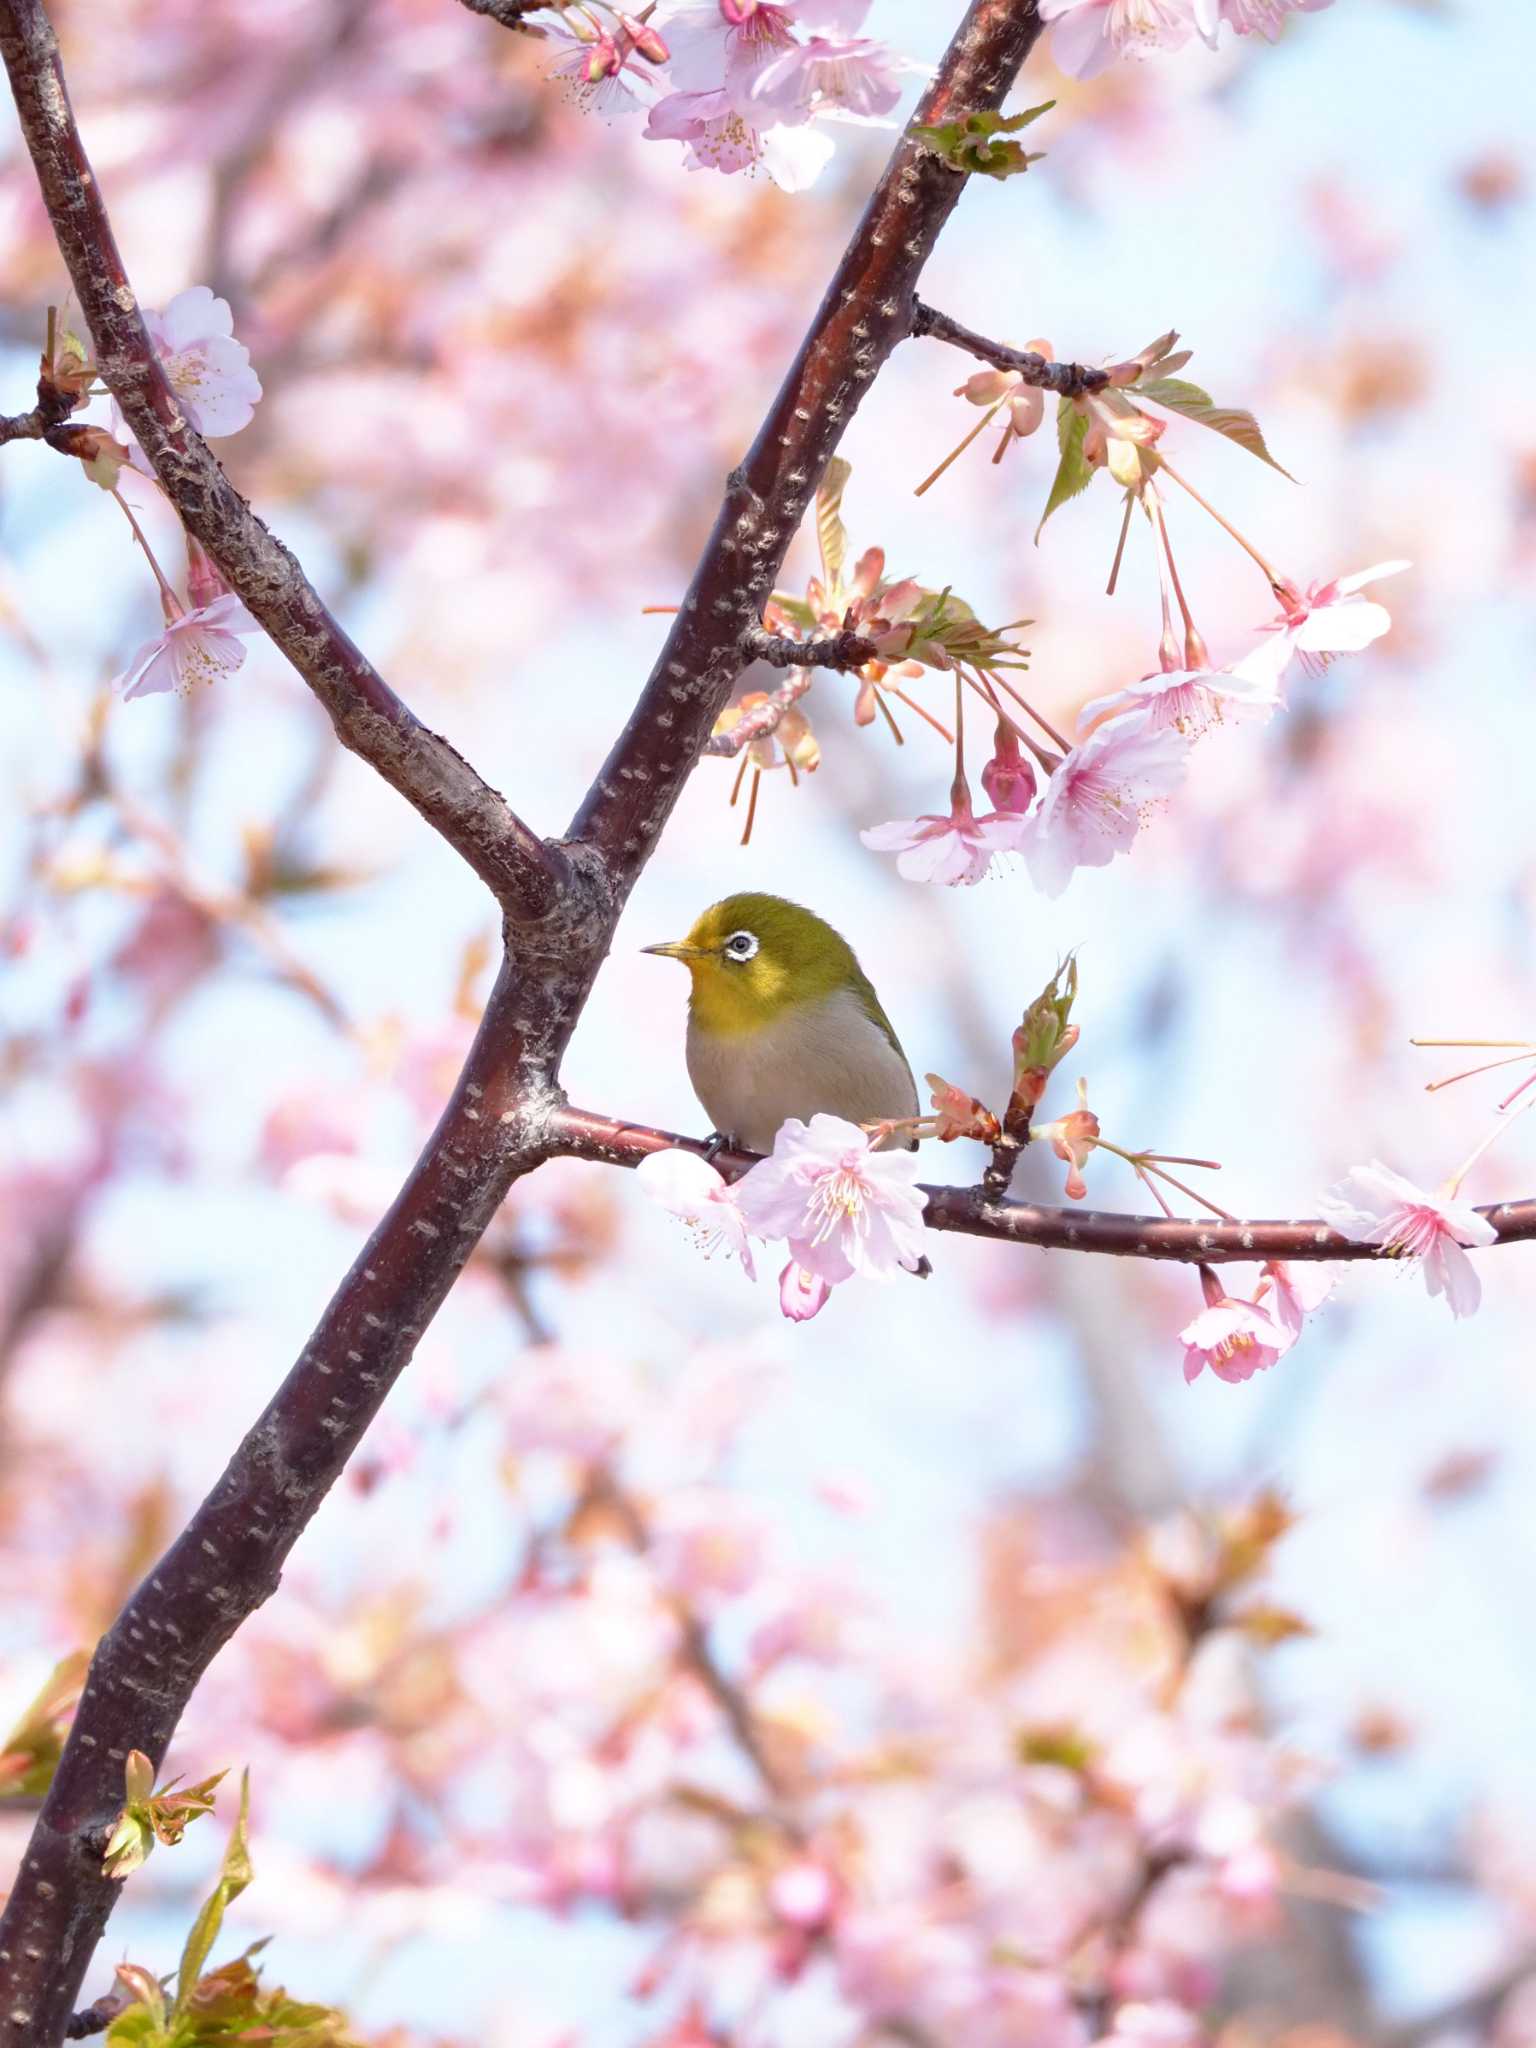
955	453
171	602
1275	578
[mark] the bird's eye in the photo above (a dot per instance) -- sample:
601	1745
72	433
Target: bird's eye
741	946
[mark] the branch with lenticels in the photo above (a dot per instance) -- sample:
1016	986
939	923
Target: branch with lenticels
561	903
972	1212
524	873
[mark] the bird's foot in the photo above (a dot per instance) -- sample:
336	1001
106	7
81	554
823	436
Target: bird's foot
716	1143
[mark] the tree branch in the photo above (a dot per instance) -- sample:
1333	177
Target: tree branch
583	1134
53	407
827	650
868	309
1067	380
525	875
510	13
760	720
227	1560
500	1121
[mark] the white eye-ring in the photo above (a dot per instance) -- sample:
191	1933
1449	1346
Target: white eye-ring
741	946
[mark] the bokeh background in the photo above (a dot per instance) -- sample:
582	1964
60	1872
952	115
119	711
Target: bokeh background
509	353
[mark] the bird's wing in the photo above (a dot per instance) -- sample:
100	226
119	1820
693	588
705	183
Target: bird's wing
869	1003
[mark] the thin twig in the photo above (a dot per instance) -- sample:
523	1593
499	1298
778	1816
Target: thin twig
1067	380
761	720
827	650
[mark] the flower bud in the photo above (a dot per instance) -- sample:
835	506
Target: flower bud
644	39
204	583
603	61
1008	778
1045	1037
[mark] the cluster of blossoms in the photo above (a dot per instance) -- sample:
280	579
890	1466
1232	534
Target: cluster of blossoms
211	377
749	82
1131	748
742	83
842	1207
1088	35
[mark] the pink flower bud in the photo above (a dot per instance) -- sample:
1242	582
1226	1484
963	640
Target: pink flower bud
647	43
204	583
603	62
1008	778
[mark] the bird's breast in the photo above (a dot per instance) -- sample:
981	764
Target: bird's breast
825	1056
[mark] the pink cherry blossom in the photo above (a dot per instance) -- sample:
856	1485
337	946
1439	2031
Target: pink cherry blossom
1298	1290
690	1188
842	1207
722	138
801	1294
1191	700
856	75
1250	17
599	72
1326	620
1088	35
209	371
957	848
1096	801
1374	1205
196	647
1235	1338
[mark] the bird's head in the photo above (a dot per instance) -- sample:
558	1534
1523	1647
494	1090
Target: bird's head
751	957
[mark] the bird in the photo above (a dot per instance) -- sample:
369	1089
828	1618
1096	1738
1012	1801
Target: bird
783	1022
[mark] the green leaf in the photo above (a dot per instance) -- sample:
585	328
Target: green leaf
1073	473
831	534
1191	403
970	143
233	1879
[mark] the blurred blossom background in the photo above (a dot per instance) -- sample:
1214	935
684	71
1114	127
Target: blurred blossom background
1028	1758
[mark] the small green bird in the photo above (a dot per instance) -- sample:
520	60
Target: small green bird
782	1022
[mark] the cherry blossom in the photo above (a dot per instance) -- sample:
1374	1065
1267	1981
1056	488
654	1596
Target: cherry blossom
802	1295
745	87
597	70
842	1207
1235	1338
957	848
698	1193
209	371
856	75
721	138
196	647
1374	1205
1191	700
1096	799
1088	35
1298	1290
1250	17
1326	620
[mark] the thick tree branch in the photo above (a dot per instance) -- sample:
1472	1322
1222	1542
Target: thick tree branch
1067	380
227	1560
500	1121
867	310
583	1134
525	874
